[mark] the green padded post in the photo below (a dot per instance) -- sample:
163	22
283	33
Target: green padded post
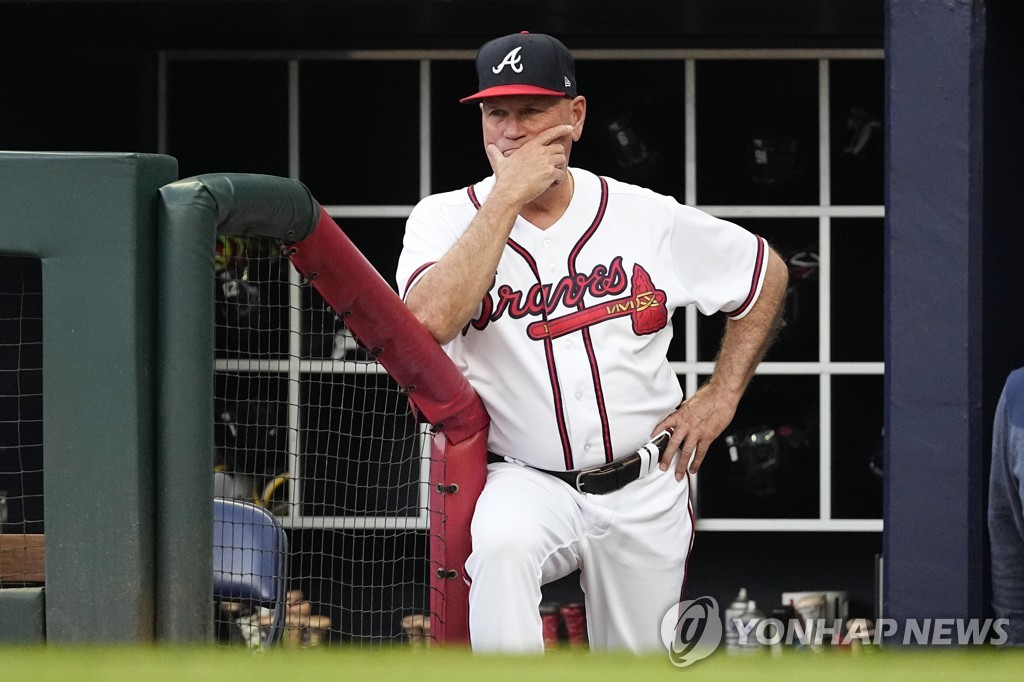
184	488
91	218
192	211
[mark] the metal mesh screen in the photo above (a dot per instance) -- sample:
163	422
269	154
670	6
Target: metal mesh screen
309	426
21	420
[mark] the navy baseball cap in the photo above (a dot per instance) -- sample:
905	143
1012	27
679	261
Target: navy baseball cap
524	64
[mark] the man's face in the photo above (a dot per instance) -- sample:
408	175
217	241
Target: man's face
510	122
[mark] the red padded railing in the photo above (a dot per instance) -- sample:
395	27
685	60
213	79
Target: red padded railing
438	392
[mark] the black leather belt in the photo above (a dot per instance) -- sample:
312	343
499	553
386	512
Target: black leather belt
607	478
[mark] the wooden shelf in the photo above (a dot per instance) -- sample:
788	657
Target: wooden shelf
22	558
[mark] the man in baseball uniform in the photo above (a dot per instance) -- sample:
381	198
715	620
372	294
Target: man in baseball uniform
552	289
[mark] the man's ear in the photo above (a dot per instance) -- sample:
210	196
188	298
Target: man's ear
578	112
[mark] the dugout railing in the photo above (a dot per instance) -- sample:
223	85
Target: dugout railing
248	205
127	257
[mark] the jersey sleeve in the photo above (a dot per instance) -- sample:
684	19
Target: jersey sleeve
1005	508
719	263
428	235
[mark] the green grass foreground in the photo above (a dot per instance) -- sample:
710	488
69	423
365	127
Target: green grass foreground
145	663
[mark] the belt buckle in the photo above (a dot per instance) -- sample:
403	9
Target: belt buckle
615	468
653	448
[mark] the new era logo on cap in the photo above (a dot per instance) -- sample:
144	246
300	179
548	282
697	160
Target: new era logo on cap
524	64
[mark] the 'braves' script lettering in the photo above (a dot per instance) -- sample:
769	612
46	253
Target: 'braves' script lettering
541	299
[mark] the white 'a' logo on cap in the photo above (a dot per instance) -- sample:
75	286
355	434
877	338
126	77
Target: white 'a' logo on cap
511	59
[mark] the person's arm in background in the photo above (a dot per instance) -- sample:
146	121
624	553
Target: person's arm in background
1006	508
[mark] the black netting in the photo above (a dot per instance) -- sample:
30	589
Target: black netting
21	418
309	426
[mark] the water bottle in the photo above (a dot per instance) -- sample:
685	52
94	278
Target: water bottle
735	611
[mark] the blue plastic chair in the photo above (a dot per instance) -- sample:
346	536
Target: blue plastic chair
250	551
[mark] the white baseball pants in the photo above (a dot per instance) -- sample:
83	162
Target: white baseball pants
530	528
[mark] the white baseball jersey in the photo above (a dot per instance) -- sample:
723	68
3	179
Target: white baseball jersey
568	348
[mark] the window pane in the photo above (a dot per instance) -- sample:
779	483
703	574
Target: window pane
771	471
250	299
456	142
677	348
379	239
757	132
251	436
796	240
228	116
324	335
635	125
857	90
857	409
857	288
360	131
359	447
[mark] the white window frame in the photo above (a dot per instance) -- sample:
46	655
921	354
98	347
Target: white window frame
689	369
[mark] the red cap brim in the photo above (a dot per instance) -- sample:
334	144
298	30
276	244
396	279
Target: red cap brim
512	89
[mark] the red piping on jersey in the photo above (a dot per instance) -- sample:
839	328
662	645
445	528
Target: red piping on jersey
412	278
588	343
758	266
693	534
549	352
556	389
